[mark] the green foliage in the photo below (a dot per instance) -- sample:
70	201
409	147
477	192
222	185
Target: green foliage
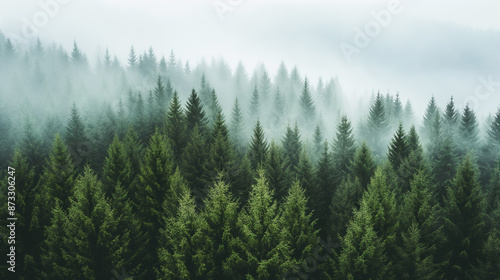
464	217
344	150
292	147
258	147
307	104
363	167
175	128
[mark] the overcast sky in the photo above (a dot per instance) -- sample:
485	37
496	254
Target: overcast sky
425	48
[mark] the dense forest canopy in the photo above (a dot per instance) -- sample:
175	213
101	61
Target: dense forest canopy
172	170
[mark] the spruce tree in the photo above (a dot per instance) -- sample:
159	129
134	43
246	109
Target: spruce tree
258	147
307	104
221	154
220	217
236	128
89	246
264	252
297	223
323	189
194	158
277	171
422	233
175	128
195	115
345	199
398	148
117	168
363	254
305	175
444	168
363	167
464	222
154	185
76	139
450	119
468	131
377	127
179	242
255	104
292	146
344	150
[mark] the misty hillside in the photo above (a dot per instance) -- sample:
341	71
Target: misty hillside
163	168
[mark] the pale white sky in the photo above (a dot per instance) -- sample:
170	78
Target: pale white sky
426	48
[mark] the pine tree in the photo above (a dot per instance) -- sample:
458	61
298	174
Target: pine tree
258	147
377	127
31	147
117	169
194	158
88	244
132	59
255	104
398	148
292	147
175	128
450	119
195	115
213	107
345	199
265	86
413	163
429	117
297	223
264	253
56	185
464	222
134	151
160	102
53	264
363	167
307	104
317	143
397	111
152	189
423	235
343	150
236	128
277	171
179	242
323	189
220	217
76	139
468	131
444	168
362	255
305	175
221	154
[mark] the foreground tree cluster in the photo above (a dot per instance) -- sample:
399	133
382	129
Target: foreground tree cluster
166	189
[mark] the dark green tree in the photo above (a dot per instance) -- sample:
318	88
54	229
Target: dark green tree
464	222
258	147
363	167
468	131
195	115
292	146
377	128
153	188
175	128
117	168
194	158
76	139
344	150
398	148
277	171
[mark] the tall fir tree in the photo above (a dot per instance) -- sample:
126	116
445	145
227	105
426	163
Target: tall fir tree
195	115
258	147
344	150
153	187
363	167
292	146
194	158
307	104
117	168
76	139
469	131
464	222
277	171
89	247
377	127
398	148
175	128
